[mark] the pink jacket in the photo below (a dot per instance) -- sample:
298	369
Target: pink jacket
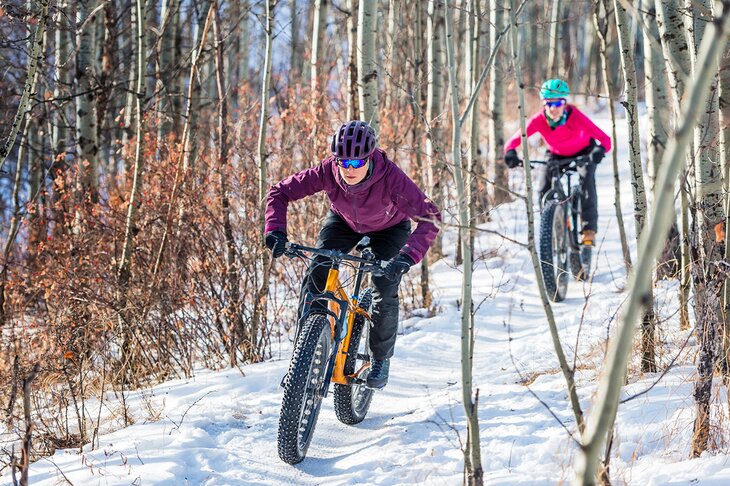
567	139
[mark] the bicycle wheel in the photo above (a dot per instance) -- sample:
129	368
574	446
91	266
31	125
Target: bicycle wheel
353	400
303	391
554	250
580	258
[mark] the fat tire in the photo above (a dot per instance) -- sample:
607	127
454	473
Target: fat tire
554	270
580	260
308	363
352	401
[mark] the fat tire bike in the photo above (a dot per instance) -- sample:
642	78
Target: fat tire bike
560	249
332	346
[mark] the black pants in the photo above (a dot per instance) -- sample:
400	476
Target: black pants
337	235
587	181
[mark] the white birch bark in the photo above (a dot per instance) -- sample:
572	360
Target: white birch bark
59	134
232	312
34	56
259	313
393	28
128	247
606	403
554	38
472	457
496	107
648	359
87	147
657	101
36	52
705	250
353	98
434	33
367	67
676	49
321	8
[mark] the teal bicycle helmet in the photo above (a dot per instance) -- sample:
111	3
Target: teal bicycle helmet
554	88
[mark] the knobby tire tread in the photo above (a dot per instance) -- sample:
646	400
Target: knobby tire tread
294	392
547	259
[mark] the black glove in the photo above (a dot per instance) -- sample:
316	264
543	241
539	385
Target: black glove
511	160
397	266
276	242
597	154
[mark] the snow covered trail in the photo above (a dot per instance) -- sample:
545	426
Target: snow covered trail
220	428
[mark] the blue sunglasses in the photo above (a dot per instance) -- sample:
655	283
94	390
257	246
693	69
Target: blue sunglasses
555	103
352	163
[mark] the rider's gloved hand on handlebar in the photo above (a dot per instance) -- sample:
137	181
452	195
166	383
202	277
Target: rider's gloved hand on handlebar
597	154
397	266
511	160
276	242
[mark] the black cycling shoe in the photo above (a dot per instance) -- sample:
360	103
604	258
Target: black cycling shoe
378	376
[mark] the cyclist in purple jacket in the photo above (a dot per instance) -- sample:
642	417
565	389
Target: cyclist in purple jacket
369	196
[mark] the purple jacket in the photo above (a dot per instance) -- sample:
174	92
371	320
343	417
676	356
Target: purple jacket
384	199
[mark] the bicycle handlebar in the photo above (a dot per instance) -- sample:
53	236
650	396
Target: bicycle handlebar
372	265
565	164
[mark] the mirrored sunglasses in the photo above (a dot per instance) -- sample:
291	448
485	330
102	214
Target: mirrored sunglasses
352	163
555	103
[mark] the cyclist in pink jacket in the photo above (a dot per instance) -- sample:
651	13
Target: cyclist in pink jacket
568	133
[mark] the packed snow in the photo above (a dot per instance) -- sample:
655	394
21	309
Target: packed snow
220	428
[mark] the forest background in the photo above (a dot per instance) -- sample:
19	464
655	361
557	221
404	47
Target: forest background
139	139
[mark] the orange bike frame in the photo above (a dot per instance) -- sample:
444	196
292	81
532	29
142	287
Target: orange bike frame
333	285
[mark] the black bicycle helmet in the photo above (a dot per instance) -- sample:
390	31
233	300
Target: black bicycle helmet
353	140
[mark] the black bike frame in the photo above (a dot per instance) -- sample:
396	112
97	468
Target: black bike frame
557	169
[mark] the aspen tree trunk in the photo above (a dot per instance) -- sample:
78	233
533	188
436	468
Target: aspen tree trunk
648	359
232	312
36	52
243	49
295	53
166	55
706	253
554	37
200	88
393	29
496	107
657	101
124	317
602	24
87	147
29	90
568	372
619	348
321	8
434	32
472	455
266	260
353	98
127	129
477	203
724	83
59	142
415	102
675	46
128	247
367	67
